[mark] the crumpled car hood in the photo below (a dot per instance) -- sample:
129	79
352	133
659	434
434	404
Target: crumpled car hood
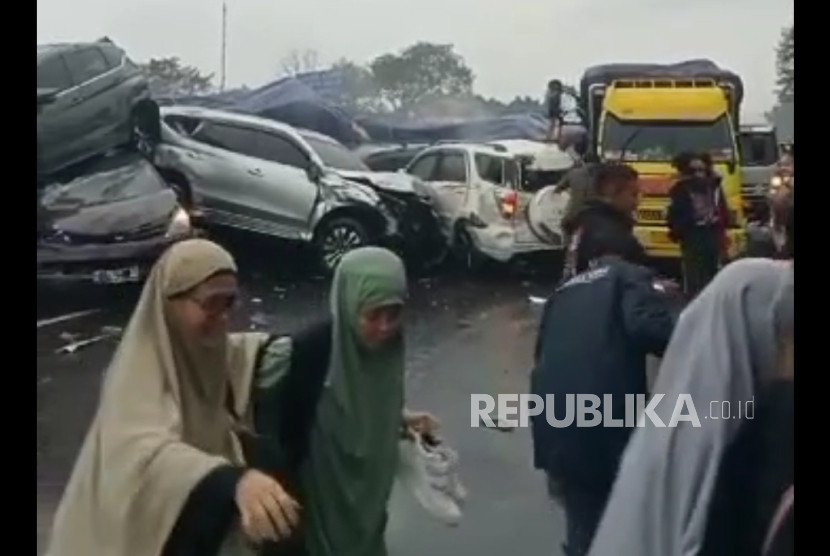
341	189
119	201
389	181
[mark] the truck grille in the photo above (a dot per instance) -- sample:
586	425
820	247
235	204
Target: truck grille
651	215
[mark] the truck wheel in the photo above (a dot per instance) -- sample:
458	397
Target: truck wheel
337	237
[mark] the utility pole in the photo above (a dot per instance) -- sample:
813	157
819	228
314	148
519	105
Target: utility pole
224	62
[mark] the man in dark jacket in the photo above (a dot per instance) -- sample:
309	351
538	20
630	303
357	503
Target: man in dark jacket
605	223
697	220
596	332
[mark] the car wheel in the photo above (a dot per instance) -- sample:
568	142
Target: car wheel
465	250
337	237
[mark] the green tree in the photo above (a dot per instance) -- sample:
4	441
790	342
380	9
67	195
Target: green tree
360	93
169	77
785	65
419	71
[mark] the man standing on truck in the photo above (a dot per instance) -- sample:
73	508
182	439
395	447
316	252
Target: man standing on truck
553	103
697	220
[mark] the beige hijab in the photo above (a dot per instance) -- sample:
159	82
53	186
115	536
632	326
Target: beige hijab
162	423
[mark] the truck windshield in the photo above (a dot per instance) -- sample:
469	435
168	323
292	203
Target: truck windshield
758	149
661	141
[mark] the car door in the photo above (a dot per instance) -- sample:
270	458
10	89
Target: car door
57	123
283	187
96	114
221	159
445	174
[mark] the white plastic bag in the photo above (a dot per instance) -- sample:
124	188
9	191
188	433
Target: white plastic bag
430	474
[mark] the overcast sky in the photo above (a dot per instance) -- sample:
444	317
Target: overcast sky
514	47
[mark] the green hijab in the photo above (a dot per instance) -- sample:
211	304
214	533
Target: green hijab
347	477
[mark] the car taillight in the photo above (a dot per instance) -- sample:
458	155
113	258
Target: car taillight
508	203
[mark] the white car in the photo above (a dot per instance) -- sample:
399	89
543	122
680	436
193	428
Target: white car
477	190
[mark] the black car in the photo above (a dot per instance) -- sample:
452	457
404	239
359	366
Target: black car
108	224
391	159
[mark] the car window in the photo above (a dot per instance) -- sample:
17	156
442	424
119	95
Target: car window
230	138
424	167
184	125
113	55
490	168
86	64
280	150
52	73
452	168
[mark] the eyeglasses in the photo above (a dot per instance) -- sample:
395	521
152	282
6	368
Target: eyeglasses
216	303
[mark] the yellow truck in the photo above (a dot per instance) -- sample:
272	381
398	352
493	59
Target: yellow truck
645	114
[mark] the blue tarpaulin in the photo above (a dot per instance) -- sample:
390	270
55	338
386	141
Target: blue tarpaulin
523	126
293	102
286	100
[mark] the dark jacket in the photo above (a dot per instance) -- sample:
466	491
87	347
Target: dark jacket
696	202
596	331
599	229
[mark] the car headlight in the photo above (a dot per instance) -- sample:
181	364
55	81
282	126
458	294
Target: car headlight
776	182
180	224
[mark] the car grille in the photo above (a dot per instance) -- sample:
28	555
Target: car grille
148	231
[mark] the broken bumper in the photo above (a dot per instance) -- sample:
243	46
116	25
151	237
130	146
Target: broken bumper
101	264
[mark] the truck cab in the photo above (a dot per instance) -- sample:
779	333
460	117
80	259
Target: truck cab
759	161
645	117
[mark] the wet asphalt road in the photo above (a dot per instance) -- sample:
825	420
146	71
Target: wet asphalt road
464	335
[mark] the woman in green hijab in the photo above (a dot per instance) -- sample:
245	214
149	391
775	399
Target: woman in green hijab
330	409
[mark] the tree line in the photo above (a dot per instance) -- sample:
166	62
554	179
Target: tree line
423	79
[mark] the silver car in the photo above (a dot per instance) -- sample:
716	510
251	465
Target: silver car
91	98
259	175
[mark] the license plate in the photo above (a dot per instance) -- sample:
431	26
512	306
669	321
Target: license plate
116	276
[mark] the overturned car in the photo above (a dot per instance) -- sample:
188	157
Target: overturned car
108	224
263	176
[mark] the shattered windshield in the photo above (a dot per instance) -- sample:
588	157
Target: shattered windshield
661	141
336	156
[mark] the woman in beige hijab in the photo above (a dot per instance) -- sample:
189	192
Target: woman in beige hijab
161	471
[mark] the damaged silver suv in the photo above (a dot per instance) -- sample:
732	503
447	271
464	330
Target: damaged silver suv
259	175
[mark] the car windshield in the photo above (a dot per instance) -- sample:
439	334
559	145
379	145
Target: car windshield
336	156
661	141
758	149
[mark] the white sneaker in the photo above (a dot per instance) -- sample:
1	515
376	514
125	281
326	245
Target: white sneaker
429	473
